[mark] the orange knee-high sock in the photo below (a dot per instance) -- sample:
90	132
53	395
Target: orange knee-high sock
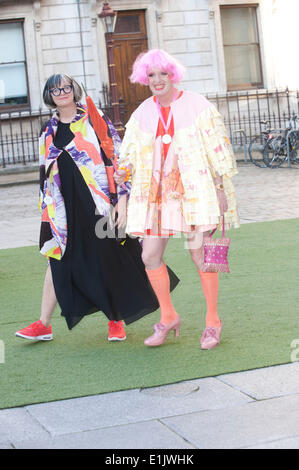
210	287
159	280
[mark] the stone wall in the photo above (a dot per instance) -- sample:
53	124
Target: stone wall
56	41
186	32
68	41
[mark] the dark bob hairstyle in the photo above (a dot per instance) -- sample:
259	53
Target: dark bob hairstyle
54	82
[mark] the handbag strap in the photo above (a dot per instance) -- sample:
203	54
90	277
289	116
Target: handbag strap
223	229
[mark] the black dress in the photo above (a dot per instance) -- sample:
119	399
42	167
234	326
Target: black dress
96	274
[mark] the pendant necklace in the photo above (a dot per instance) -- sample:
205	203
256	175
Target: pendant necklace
166	139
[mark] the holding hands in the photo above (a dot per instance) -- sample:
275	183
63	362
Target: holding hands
120	176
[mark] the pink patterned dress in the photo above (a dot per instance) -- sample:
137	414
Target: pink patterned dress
165	215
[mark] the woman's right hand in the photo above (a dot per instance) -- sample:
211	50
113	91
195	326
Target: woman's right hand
120	213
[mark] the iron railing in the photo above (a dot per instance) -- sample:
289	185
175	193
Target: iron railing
106	104
19	136
242	112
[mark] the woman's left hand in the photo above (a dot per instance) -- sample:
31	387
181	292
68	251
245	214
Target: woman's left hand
223	205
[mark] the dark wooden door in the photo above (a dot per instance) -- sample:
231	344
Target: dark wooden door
129	39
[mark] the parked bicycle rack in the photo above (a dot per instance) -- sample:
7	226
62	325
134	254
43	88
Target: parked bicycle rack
288	145
241	131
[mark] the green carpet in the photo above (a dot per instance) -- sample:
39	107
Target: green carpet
258	305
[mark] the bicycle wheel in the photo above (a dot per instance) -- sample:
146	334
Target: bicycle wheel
294	146
275	152
256	151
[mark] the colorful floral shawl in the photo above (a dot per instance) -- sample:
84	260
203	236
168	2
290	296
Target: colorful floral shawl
89	157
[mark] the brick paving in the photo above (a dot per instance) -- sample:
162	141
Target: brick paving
262	194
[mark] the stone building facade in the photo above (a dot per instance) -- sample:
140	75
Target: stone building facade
227	46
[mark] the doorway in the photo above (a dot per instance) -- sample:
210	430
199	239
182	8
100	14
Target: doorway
130	39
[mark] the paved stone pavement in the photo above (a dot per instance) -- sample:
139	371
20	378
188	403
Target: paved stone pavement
256	409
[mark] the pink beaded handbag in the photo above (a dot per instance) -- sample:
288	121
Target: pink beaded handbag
216	253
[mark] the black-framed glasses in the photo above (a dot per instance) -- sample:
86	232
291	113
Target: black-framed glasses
57	91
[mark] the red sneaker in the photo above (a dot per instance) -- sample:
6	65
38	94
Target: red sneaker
36	331
116	331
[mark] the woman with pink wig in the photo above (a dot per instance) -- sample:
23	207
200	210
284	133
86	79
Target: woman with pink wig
179	161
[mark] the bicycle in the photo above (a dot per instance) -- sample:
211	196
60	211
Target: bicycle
284	147
272	147
258	143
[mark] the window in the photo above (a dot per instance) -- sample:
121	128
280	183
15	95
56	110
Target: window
241	47
127	24
13	73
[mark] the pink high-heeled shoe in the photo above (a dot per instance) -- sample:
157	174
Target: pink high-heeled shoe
211	337
161	332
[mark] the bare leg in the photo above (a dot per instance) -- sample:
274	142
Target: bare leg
49	300
196	248
153	251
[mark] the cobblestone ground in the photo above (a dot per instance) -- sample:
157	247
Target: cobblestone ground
19	215
262	194
265	194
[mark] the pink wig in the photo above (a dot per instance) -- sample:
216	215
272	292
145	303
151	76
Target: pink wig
156	58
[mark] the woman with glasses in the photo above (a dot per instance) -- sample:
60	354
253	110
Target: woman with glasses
88	270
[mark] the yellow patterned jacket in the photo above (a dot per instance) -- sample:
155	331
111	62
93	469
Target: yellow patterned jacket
203	149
